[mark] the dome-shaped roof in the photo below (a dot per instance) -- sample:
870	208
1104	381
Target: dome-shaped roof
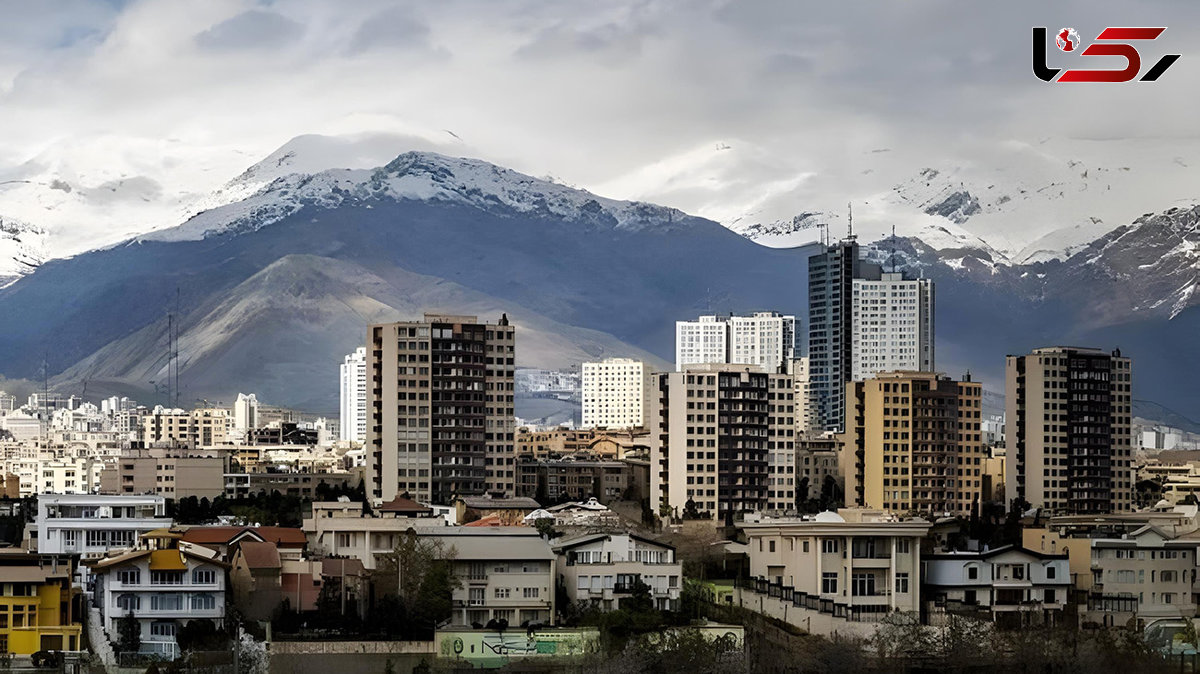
828	516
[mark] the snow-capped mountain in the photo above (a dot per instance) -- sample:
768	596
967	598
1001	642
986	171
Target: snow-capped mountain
417	176
22	249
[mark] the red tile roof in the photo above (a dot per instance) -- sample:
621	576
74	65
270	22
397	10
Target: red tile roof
286	537
404	505
260	555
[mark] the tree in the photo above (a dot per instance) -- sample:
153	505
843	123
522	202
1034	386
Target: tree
545	527
690	511
418	575
129	632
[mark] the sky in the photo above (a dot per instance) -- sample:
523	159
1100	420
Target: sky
725	109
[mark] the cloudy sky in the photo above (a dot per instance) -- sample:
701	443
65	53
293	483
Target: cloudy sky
710	106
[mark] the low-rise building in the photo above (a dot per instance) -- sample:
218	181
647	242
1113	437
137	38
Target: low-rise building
601	569
854	562
1145	574
173	477
164	584
505	573
343	529
578	477
92	524
35	607
510	511
1012	585
304	485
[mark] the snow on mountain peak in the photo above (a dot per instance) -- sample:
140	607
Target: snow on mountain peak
418	176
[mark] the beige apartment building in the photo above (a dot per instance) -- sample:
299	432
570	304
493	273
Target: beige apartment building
817	458
604	443
713	429
912	443
1068	438
205	427
867	560
440	408
168	476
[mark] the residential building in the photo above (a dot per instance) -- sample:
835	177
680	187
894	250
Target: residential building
712	430
164	584
612	393
912	443
173	477
765	338
807	421
1146	574
578	477
1013	586
1068	439
343	529
441	408
92	524
816	462
289	541
505	573
600	569
891	323
353	387
203	427
510	511
862	562
302	484
36	607
861	320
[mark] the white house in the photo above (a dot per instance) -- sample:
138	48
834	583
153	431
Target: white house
164	584
1016	585
90	525
602	568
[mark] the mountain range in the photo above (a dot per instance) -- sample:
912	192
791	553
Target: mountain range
277	273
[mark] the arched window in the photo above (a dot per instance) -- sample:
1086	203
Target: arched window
202	602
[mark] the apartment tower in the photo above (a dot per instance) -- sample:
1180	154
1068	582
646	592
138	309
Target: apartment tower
612	393
1069	443
440	408
913	443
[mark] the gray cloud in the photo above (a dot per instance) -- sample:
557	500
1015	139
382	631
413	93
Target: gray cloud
249	30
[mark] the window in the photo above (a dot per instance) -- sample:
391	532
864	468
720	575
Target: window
771	545
902	546
501	593
129	576
166	578
972	573
162	629
475	596
969	597
829	583
1051	572
532	592
901	583
128	602
204	577
862	584
166	602
1048	596
806	546
829	545
203	602
1018	573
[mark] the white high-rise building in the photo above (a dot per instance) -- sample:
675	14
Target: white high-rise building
354	396
245	414
805	407
765	338
891	325
612	393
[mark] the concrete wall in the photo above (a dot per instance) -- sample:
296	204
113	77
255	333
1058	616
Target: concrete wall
813	622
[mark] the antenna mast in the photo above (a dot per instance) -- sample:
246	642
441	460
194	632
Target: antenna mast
850	223
893	256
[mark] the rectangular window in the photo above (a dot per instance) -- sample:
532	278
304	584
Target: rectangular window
203	602
901	583
501	593
162	629
129	576
829	545
166	578
532	592
204	577
829	583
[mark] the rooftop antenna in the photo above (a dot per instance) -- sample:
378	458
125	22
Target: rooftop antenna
176	353
46	397
850	221
893	255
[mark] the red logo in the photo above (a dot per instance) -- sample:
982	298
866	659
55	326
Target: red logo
1110	42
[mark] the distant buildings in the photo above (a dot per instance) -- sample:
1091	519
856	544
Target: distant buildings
576	477
912	443
604	443
712	428
1011	585
1068	439
441	408
353	388
862	321
172	477
613	392
245	414
201	427
765	338
90	524
36	607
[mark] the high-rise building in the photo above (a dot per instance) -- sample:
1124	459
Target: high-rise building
912	443
1068	437
612	393
354	396
765	338
891	325
846	336
440	405
245	414
711	434
805	401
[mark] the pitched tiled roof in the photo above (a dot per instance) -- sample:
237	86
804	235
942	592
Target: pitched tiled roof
283	536
404	505
260	555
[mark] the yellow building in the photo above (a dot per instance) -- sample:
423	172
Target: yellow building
35	605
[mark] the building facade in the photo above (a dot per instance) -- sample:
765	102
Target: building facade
711	433
441	408
1016	586
1068	434
601	569
91	524
891	325
913	443
353	387
612	393
764	338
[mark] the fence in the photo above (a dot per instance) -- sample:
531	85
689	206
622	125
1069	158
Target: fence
812	602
